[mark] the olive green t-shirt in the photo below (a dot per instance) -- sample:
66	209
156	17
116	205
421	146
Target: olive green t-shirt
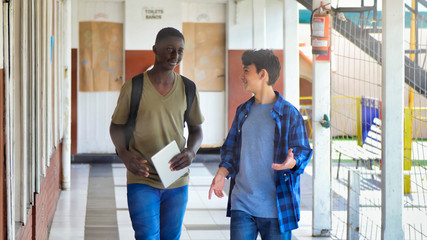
160	120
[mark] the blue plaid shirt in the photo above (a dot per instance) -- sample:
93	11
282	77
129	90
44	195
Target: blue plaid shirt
290	133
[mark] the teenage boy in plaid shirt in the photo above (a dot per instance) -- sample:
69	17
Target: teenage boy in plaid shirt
265	152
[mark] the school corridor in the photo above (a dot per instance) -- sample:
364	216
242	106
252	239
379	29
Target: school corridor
63	62
95	207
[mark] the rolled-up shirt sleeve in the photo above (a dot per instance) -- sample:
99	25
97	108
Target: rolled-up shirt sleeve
230	148
299	142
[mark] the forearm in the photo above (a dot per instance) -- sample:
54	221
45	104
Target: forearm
118	137
134	164
223	172
195	138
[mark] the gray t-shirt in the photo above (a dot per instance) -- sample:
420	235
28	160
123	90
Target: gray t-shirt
255	189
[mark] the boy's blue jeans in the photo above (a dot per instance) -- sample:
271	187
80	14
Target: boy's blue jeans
244	226
156	213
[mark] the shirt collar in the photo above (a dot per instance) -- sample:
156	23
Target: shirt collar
278	105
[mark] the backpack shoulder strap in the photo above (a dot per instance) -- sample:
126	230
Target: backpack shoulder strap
137	86
190	92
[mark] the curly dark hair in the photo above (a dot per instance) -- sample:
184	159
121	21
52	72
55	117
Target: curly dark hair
263	59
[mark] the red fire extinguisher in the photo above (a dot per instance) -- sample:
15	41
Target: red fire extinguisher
320	31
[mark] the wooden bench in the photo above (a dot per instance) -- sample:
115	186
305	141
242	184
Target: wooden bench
369	152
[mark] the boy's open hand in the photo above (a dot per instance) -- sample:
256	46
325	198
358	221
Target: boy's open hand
289	163
218	183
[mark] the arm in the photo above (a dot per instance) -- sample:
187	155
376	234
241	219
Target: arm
186	157
227	166
299	152
134	164
300	144
218	182
228	150
289	163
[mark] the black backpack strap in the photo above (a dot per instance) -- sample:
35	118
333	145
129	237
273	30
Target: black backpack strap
190	92
137	86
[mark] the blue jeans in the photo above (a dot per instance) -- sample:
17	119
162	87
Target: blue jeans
246	227
156	213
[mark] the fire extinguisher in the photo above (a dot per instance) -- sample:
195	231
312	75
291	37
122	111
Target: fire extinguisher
320	31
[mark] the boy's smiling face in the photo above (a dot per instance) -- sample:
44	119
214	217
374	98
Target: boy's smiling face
250	78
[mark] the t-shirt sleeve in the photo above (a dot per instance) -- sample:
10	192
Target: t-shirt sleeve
195	117
121	113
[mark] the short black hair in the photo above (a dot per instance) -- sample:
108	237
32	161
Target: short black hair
168	32
263	59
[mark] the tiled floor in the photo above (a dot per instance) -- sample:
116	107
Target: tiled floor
204	219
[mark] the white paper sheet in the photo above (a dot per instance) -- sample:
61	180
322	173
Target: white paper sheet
161	163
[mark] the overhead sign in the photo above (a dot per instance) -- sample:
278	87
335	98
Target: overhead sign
153	13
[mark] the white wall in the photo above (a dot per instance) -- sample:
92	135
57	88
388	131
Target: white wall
203	12
140	33
239	35
103	11
274	24
74	24
240	24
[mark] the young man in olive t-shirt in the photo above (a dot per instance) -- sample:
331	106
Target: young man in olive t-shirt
156	212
